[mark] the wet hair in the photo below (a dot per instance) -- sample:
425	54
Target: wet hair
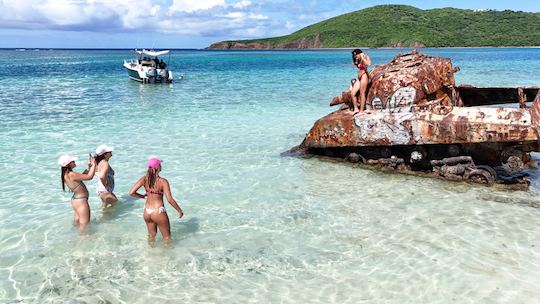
356	52
100	158
151	177
63	172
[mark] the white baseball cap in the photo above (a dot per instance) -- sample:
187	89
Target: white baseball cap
65	159
102	149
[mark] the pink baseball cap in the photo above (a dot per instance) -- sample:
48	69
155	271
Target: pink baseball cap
153	162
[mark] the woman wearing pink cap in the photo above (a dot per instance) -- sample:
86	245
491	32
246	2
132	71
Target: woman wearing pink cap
155	214
74	182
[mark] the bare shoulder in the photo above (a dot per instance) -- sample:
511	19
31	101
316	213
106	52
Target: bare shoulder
366	59
103	164
71	176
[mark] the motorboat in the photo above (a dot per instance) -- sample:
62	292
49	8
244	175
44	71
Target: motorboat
147	67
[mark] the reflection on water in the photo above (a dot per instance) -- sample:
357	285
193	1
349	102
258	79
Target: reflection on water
257	227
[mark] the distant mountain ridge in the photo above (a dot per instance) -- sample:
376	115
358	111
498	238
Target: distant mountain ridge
407	26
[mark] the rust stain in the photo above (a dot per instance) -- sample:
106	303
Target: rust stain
412	102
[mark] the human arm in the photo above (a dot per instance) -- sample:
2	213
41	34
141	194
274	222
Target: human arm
103	167
366	59
88	174
170	199
89	163
133	192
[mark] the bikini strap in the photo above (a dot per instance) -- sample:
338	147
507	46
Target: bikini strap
73	190
155	184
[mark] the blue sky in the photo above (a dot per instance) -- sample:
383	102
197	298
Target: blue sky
181	23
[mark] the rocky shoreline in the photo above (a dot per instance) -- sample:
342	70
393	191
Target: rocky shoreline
304	43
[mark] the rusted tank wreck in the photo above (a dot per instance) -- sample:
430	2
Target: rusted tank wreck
418	121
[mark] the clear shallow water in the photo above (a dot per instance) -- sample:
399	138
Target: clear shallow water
258	227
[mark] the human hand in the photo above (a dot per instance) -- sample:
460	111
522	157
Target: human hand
180	214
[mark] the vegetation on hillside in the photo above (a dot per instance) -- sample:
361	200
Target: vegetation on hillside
405	26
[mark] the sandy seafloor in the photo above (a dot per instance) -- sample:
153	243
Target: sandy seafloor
258	228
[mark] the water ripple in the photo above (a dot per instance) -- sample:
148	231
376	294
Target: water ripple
258	227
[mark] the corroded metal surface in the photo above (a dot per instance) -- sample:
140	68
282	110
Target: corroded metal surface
413	101
459	125
409	79
417	120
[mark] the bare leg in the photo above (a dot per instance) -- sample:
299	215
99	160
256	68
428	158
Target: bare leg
162	221
75	214
363	87
108	198
354	91
83	211
151	226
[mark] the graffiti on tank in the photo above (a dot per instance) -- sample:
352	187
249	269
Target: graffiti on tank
380	127
401	100
376	104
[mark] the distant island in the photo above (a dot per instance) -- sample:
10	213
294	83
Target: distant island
407	26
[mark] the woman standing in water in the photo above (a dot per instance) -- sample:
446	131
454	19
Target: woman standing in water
154	212
74	182
105	175
361	61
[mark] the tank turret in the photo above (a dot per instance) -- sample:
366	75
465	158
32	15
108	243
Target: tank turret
418	121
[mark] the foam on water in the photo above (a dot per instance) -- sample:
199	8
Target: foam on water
258	227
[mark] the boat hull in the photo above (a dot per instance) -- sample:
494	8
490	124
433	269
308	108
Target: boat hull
134	75
141	74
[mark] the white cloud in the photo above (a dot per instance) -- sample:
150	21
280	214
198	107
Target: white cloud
63	14
258	16
235	15
189	17
289	25
190	6
242	4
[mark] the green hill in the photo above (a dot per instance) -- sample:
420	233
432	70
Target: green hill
407	26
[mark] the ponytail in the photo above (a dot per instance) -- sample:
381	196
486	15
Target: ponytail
151	177
63	172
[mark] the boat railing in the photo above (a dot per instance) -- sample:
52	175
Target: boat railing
131	62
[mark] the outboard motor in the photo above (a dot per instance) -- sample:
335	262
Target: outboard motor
152	74
165	75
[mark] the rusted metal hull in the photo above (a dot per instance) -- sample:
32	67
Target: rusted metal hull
489	136
417	120
459	126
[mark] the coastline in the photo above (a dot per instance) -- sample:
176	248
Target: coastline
276	49
221	152
373	48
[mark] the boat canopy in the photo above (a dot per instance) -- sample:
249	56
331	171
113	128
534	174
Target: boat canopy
152	53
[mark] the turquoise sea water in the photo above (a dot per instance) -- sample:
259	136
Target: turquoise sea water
258	228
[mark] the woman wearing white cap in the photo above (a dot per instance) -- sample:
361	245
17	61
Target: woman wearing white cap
73	180
105	175
154	213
